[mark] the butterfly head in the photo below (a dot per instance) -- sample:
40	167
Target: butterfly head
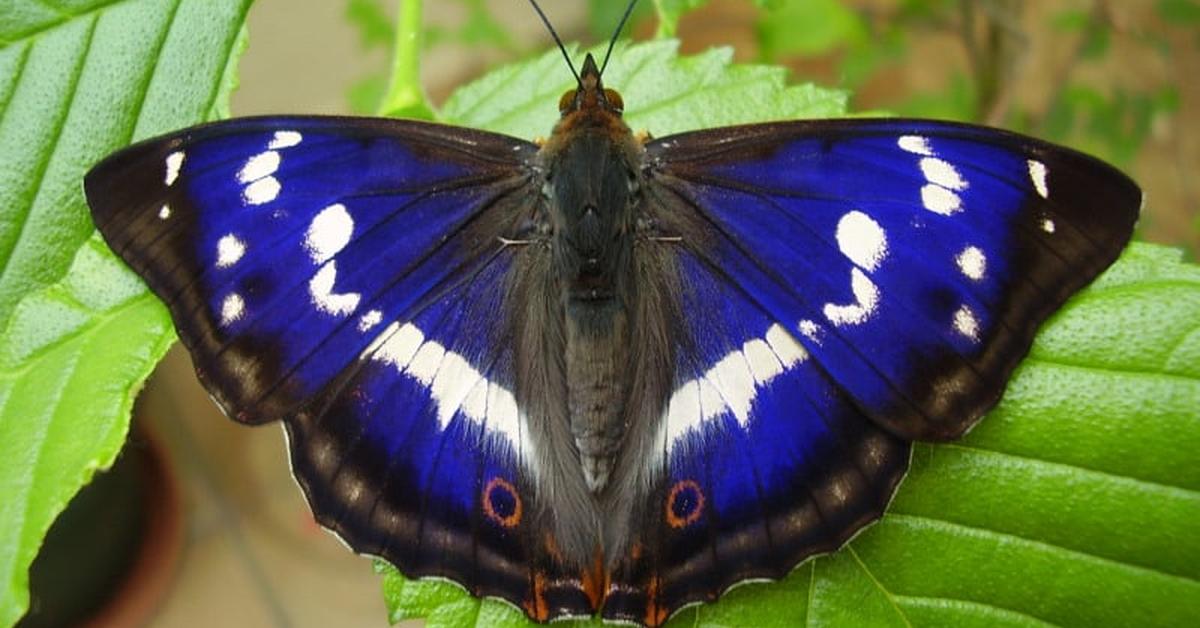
591	95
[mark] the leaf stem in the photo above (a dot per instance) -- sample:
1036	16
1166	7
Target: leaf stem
405	95
667	23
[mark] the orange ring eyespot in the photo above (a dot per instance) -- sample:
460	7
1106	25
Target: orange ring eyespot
502	503
685	504
614	100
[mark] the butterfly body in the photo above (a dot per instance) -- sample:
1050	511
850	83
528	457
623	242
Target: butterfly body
591	234
605	374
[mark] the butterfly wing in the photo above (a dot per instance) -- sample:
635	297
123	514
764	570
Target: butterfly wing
347	276
767	460
914	259
853	285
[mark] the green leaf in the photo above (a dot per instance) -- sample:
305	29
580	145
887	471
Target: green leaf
79	332
1073	503
663	93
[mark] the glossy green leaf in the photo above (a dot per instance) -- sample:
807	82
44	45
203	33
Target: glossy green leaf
1073	503
79	79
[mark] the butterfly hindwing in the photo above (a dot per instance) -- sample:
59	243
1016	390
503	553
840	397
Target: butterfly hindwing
765	460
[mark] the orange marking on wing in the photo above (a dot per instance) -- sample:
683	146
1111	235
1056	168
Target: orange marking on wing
514	518
537	607
676	521
553	550
595	581
656	615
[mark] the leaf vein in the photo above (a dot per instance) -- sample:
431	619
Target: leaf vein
66	17
20	214
879	585
982	607
1142	484
959	529
1098	368
144	88
224	66
20	71
98	319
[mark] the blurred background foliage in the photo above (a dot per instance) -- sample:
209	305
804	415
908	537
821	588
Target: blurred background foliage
1112	78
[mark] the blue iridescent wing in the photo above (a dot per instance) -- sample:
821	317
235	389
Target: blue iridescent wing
855	285
914	259
345	276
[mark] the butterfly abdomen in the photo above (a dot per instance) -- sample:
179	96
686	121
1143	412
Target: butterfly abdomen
591	189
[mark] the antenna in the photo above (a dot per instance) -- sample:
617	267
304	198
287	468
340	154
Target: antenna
612	42
558	41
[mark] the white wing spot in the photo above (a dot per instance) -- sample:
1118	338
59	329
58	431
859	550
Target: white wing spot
323	297
259	166
504	416
424	365
866	295
761	359
732	378
328	233
939	200
232	308
369	320
683	412
1047	225
285	139
730	385
810	329
164	212
942	173
862	240
965	323
454	384
1037	174
915	144
397	345
230	249
972	262
262	191
785	347
711	403
174	164
454	380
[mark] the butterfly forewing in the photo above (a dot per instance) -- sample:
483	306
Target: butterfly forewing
283	246
914	260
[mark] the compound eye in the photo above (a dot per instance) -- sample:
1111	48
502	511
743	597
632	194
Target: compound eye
614	100
567	101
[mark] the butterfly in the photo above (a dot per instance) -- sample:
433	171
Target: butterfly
606	373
